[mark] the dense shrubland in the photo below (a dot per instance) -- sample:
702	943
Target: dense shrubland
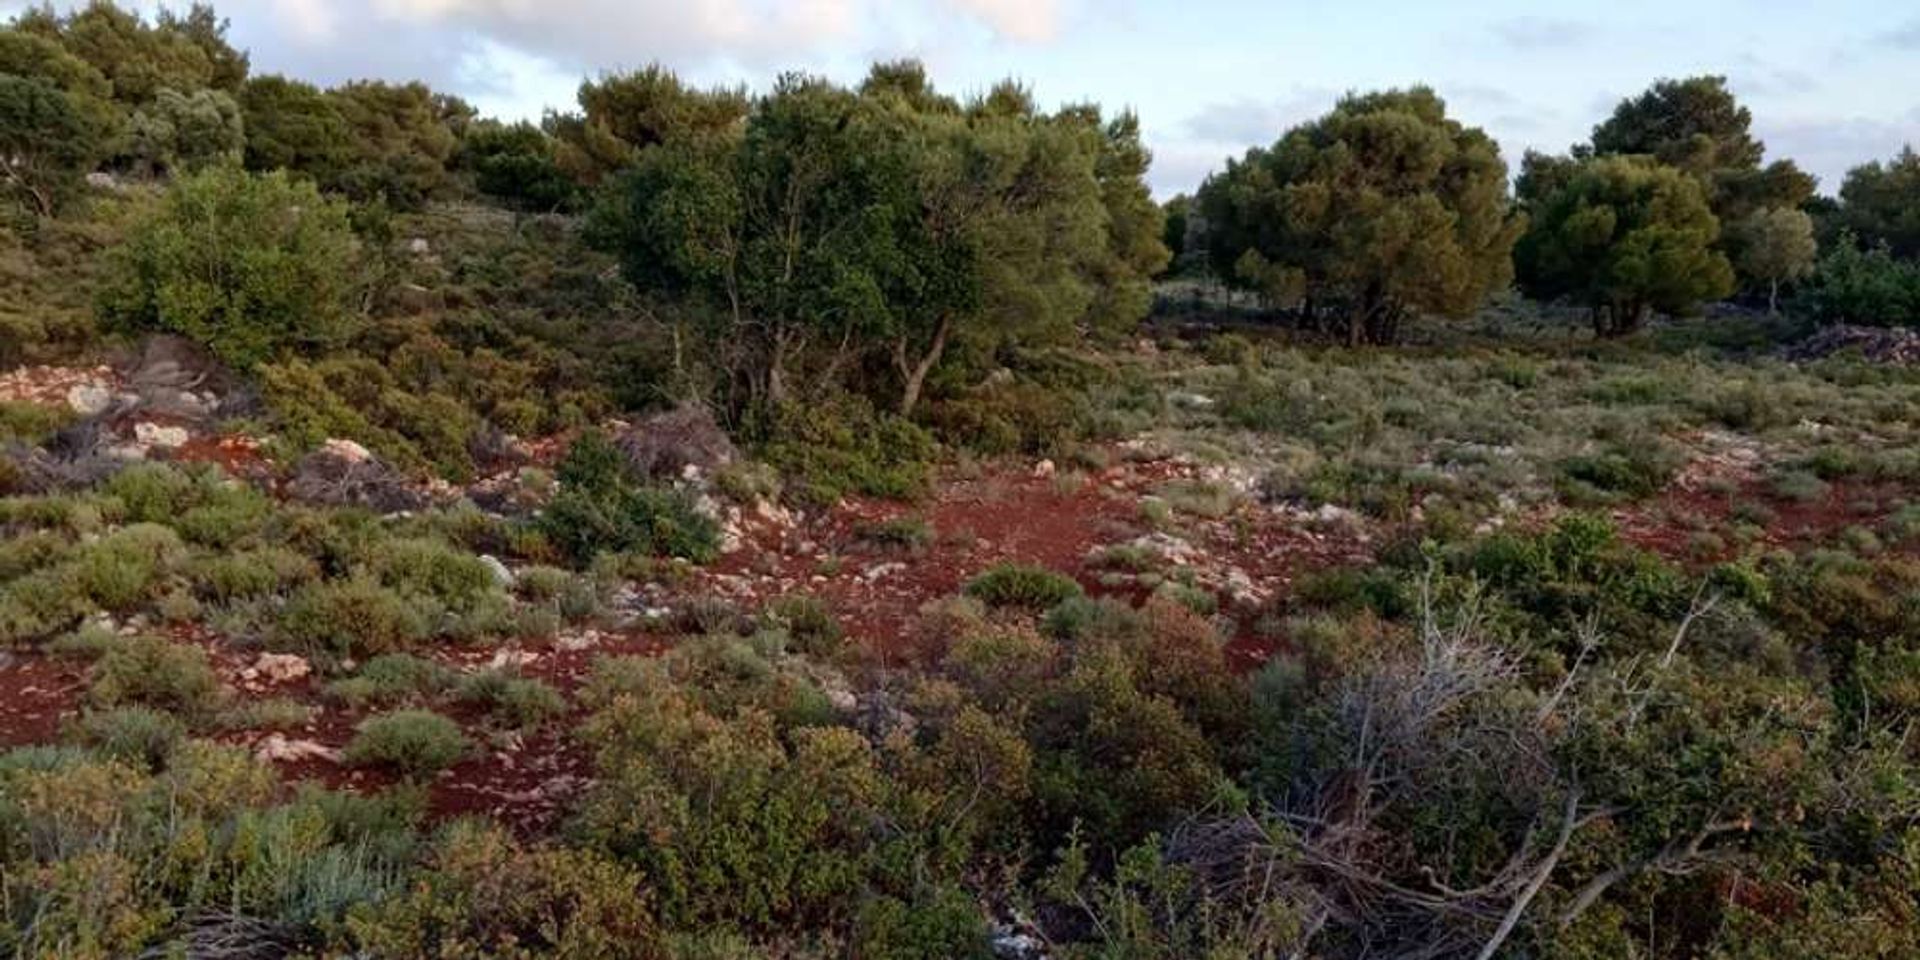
1517	731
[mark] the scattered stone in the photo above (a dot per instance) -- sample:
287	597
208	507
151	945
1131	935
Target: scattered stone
346	450
89	399
1898	346
501	575
158	435
1010	944
512	659
278	668
419	246
277	748
1043	469
1195	401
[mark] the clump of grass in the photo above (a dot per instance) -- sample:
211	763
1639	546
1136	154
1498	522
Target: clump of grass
415	743
574	598
1024	587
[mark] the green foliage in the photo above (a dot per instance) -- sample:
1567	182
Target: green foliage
1623	237
1867	287
517	163
292	126
1880	203
389	679
182	132
137	735
414	743
349	618
1030	588
600	509
482	895
1773	246
401	137
153	672
831	450
249	265
516	701
48	143
809	625
1382	209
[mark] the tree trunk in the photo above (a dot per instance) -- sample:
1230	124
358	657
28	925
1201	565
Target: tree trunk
914	375
1773	297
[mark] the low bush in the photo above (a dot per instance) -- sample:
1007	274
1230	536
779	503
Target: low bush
349	618
415	743
153	672
249	574
137	735
389	679
517	701
1028	588
599	509
809	625
827	451
482	895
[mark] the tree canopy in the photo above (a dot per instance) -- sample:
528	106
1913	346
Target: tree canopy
1382	209
1880	203
1624	236
845	229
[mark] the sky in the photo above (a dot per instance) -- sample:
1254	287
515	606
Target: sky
1831	85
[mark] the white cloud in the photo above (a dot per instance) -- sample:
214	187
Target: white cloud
1027	21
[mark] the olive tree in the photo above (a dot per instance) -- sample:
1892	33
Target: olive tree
1625	237
249	265
1380	210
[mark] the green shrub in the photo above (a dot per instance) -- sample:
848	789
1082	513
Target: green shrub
274	713
899	533
1638	469
30	423
944	923
574	598
1800	486
429	568
123	570
157	673
599	509
808	624
1029	588
827	451
483	895
249	265
138	735
1871	286
389	679
416	743
249	574
349	618
514	700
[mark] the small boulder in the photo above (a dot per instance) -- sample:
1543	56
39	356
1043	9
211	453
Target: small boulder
280	667
501	575
89	399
